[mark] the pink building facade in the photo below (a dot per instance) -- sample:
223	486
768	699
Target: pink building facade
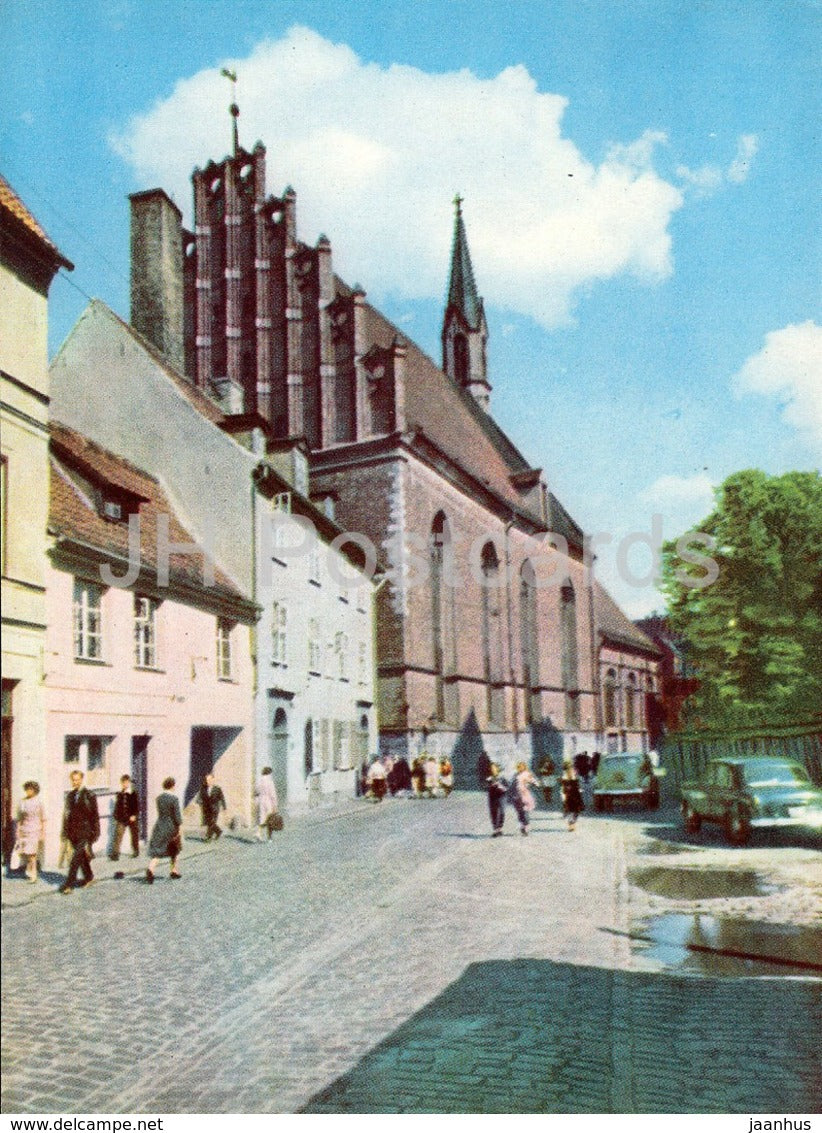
150	678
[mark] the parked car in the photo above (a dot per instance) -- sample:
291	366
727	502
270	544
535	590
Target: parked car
626	776
744	794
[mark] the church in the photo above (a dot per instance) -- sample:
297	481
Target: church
487	633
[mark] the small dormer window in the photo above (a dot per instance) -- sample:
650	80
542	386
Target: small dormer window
282	502
113	510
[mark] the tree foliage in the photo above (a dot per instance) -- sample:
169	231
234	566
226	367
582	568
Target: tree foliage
754	636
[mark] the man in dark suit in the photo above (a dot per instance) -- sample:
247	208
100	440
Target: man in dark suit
81	827
126	812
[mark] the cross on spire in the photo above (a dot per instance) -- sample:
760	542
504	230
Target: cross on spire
234	109
458	202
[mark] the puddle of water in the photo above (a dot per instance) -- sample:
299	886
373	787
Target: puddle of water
698	884
721	946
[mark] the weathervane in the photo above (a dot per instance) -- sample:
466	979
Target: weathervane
234	109
458	202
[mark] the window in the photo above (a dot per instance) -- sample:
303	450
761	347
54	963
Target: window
609	695
308	747
279	642
569	655
630	701
145	632
282	502
491	637
529	641
341	650
314	646
325	753
88	621
340	745
88	754
224	628
362	664
314	565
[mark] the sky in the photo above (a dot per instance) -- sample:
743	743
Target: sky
641	197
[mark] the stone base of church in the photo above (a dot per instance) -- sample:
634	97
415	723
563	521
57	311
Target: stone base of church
464	747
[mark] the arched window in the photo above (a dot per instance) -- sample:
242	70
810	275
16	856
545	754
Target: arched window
631	701
529	641
440	552
308	747
568	652
491	628
609	693
461	372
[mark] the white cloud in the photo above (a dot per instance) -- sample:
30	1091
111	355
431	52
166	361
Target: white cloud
789	367
682	501
709	179
377	153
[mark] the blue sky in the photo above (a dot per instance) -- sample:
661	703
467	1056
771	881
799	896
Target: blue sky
641	198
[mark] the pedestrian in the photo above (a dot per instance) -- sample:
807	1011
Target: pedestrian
497	786
418	776
166	838
483	768
377	779
399	781
572	804
446	776
31	828
548	779
520	795
267	804
431	776
126	814
81	828
212	801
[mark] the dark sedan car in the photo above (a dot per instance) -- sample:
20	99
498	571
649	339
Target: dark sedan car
743	794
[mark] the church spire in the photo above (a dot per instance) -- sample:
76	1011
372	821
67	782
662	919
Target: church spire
464	329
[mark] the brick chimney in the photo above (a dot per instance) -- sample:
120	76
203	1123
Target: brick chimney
157	273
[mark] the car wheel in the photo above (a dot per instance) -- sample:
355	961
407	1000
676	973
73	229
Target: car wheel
690	819
652	798
737	826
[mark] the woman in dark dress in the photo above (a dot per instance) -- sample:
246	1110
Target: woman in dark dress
166	840
497	787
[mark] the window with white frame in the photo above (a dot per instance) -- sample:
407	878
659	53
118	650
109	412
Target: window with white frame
314	646
362	664
224	628
88	754
145	632
88	621
325	754
314	565
341	650
279	637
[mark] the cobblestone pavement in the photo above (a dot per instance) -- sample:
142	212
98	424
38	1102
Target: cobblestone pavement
395	957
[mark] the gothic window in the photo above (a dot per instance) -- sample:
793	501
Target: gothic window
490	626
440	550
609	694
568	653
529	641
631	701
461	372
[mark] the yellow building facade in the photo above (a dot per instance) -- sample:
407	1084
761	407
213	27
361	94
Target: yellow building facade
28	263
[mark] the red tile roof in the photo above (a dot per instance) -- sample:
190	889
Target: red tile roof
12	207
74	516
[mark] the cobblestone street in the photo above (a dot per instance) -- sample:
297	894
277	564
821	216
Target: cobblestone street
395	957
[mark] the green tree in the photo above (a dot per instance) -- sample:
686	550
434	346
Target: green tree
754	636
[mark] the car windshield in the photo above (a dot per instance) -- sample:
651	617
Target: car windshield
621	763
773	774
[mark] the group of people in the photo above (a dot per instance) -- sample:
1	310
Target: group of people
80	828
516	790
424	777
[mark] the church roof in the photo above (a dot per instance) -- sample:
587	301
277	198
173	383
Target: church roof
462	289
617	627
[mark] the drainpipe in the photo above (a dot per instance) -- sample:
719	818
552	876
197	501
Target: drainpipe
588	564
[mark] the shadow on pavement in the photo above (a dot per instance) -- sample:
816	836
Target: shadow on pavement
531	1036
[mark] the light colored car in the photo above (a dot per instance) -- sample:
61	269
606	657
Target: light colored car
625	777
744	794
